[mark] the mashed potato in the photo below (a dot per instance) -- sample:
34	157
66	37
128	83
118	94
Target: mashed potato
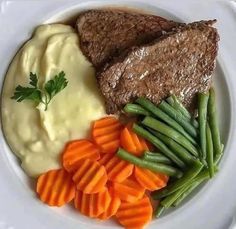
36	136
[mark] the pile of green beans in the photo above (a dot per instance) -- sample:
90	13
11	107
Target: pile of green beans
187	149
155	167
156	157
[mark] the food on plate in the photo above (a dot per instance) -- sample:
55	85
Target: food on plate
117	170
198	169
92	205
154	75
164	117
180	62
202	113
158	144
56	187
77	150
189	127
179	193
113	206
155	167
218	146
162	128
180	110
106	134
150	180
129	190
37	136
131	176
40	95
90	177
136	214
135	109
209	151
156	157
100	186
131	142
104	34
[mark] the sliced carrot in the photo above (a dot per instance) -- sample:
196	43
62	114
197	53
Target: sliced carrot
150	180
92	205
55	187
77	150
90	177
106	134
135	215
131	142
129	190
117	170
113	206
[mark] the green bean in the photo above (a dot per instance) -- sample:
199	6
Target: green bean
202	112
164	117
196	182
213	124
174	102
179	150
156	157
177	197
219	156
178	117
153	153
194	123
199	179
169	200
178	184
179	107
187	190
159	144
159	210
155	167
209	151
136	109
170	132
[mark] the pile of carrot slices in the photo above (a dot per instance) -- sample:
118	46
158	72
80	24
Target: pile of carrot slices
101	184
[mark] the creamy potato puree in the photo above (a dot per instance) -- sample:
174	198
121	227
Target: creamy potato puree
36	136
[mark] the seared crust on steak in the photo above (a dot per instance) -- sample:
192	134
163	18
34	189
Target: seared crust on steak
104	34
180	62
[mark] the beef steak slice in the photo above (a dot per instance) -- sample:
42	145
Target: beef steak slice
180	62
107	33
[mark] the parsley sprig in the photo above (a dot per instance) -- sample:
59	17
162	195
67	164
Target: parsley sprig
41	95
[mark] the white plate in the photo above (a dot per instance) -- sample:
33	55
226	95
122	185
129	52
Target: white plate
212	207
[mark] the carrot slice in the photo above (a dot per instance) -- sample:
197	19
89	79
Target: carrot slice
92	205
90	177
106	134
150	180
77	150
117	170
113	206
135	215
131	142
129	190
55	187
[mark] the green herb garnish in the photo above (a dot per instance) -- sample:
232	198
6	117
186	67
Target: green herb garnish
41	95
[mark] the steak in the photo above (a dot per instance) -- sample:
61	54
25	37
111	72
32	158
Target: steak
180	62
107	33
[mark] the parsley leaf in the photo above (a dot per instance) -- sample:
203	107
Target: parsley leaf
45	95
22	93
53	86
33	80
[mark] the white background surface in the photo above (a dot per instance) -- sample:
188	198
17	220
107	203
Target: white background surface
212	208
